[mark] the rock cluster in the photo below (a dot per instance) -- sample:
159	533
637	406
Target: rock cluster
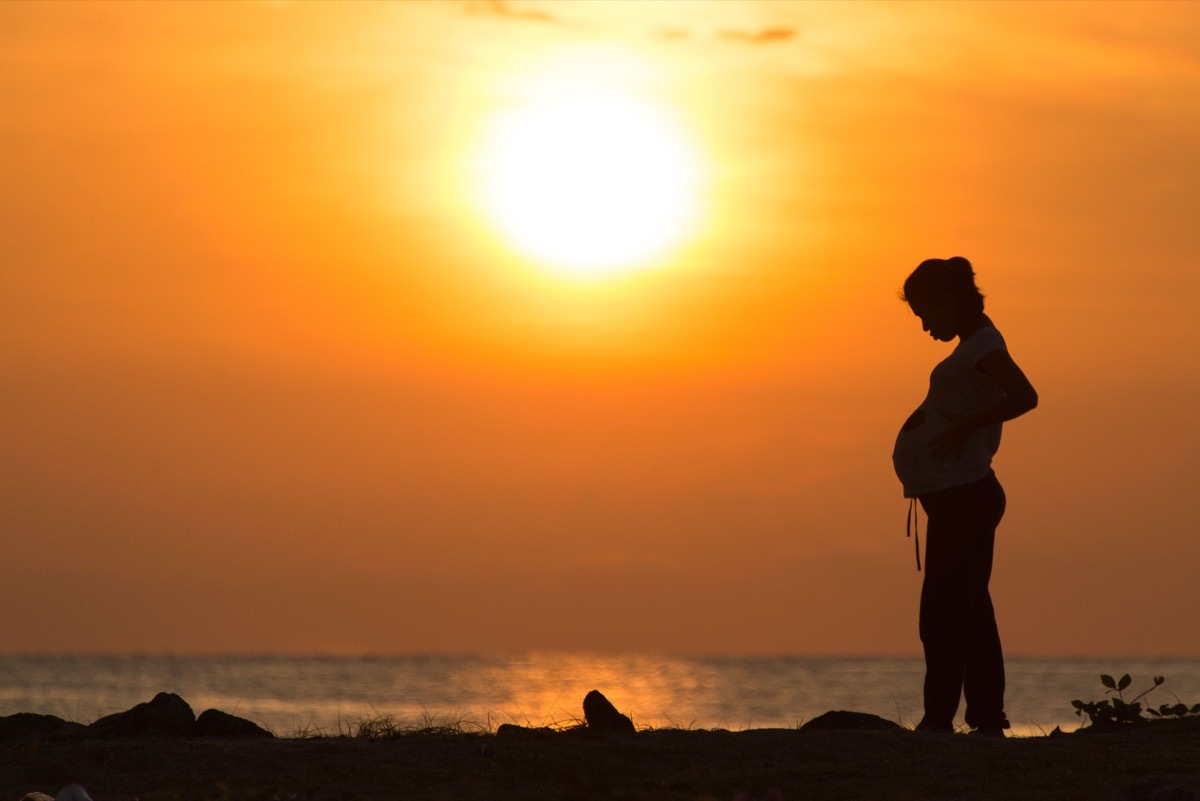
601	715
166	715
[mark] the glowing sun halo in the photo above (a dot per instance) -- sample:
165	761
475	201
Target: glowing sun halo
590	183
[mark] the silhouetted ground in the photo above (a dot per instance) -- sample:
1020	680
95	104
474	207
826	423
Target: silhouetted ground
1159	760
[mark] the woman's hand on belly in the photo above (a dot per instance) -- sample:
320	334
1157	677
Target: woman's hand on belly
951	440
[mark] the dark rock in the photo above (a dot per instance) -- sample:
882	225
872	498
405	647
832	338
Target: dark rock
849	721
167	715
601	715
27	724
215	723
513	730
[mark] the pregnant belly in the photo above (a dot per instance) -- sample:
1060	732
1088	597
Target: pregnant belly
914	420
911	457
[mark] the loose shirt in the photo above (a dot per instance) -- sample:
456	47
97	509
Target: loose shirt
957	388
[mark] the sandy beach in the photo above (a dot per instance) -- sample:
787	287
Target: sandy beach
1157	760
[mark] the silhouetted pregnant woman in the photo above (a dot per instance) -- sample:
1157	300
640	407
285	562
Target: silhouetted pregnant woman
943	457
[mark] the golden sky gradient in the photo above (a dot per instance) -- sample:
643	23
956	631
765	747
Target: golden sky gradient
274	381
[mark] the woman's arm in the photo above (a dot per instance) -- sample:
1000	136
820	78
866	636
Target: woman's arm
1019	398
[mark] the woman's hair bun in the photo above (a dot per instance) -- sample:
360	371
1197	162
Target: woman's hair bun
954	275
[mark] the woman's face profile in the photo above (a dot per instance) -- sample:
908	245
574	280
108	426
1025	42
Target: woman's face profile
938	315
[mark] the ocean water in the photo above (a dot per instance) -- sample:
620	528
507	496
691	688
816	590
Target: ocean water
330	694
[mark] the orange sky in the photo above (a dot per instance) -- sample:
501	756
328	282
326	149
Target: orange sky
271	383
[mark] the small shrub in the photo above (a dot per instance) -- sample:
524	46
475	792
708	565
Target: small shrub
1116	711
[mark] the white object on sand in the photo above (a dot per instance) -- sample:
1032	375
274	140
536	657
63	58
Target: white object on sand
72	792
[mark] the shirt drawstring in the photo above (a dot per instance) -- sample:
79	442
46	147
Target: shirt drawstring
912	530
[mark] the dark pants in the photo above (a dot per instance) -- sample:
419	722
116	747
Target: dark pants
958	626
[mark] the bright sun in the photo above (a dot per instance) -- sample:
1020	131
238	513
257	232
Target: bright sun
590	181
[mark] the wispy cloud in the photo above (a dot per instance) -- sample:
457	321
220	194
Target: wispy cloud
764	36
674	34
505	10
